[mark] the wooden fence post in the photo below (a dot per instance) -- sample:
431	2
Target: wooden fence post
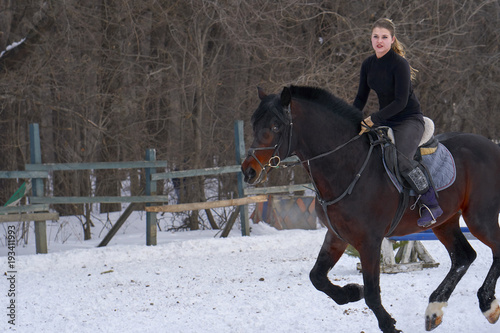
239	140
150	190
37	188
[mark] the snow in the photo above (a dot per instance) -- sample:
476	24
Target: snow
195	282
12	46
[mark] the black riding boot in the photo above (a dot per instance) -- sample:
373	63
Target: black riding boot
429	209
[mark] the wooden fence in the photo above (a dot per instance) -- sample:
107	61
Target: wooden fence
37	171
38	209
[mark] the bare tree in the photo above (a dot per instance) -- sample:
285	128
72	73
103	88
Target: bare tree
108	79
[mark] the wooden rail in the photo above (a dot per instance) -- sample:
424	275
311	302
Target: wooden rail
99	199
207	204
95	166
198	172
26	213
24	209
23	217
24	174
277	189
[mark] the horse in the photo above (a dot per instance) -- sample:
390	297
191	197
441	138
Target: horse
322	131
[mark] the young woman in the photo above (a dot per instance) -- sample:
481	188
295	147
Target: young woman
388	73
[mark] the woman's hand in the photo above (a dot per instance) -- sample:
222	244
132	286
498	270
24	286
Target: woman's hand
366	124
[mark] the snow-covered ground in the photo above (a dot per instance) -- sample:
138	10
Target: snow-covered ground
194	282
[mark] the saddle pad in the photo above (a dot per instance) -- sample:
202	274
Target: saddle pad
440	165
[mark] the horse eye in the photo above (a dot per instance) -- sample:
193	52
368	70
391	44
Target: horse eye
275	129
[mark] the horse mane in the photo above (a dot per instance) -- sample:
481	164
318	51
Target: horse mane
312	94
328	100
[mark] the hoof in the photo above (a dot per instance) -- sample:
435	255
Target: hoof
493	313
434	315
354	291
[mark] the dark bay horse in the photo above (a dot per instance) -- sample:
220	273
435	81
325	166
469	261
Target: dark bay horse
321	130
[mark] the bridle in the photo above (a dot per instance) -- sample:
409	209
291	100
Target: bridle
275	160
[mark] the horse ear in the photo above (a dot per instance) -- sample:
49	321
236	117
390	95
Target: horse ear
262	94
286	96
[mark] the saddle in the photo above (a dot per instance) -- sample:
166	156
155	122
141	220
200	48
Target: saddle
428	143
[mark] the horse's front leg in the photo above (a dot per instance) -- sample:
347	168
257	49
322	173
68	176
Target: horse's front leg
370	262
330	253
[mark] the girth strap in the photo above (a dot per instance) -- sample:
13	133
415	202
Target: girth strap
404	198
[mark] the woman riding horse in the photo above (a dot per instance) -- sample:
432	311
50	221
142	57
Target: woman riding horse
359	199
388	73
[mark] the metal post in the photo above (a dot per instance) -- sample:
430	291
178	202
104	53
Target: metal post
240	155
150	190
37	188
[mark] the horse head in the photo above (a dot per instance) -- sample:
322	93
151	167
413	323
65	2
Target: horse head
272	129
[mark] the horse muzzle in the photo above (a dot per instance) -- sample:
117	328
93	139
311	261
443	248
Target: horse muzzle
253	172
255	169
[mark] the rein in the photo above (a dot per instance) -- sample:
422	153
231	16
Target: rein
323	154
356	177
275	162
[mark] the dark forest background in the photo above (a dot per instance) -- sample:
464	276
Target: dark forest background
107	79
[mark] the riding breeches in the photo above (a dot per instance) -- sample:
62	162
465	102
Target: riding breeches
407	136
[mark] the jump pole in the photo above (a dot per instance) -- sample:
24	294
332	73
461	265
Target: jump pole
207	204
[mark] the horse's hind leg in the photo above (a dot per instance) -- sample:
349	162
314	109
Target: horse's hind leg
462	255
330	253
488	232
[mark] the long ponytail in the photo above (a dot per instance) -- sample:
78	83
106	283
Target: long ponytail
397	46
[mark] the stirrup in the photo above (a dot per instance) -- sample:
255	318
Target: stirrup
429	223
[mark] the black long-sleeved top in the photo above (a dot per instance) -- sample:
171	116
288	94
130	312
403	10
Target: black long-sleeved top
389	77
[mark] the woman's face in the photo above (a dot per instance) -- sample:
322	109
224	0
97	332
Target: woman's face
381	41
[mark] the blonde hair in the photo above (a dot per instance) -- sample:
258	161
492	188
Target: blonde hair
397	46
